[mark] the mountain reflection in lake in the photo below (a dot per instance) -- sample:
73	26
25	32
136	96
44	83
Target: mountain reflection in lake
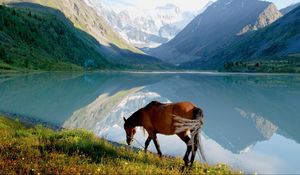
251	121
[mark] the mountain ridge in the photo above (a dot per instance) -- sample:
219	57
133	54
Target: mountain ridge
110	44
274	48
215	28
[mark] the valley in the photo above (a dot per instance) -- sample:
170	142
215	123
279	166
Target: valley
87	86
255	37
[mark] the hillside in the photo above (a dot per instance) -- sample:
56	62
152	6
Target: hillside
275	48
86	19
38	150
215	28
35	40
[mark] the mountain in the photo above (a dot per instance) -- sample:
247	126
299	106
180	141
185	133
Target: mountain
289	8
33	39
145	27
215	28
109	43
275	48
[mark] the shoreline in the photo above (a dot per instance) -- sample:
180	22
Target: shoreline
31	122
200	72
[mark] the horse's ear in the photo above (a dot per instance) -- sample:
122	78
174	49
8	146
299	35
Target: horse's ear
124	119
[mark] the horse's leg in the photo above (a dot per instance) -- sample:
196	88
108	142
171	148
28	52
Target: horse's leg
157	145
196	143
185	138
147	143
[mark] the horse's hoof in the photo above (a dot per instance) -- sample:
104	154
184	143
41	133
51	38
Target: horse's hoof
186	163
160	155
182	168
189	167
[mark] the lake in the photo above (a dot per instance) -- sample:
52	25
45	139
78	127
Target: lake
251	120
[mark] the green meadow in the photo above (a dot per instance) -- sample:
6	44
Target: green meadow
28	149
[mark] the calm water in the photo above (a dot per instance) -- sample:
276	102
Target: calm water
252	121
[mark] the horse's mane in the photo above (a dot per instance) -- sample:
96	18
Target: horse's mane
152	103
135	116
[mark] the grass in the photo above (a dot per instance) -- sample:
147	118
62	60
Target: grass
40	150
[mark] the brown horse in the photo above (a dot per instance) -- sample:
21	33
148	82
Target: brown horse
159	118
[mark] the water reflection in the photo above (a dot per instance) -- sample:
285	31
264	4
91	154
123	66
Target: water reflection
251	121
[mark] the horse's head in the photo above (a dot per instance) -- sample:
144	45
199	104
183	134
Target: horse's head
130	132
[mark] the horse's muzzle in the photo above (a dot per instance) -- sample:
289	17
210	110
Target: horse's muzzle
129	141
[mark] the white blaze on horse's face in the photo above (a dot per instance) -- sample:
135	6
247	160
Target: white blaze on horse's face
130	132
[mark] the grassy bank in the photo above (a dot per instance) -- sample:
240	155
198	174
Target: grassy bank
39	150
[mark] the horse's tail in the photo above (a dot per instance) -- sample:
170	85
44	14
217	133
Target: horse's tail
199	144
182	124
198	114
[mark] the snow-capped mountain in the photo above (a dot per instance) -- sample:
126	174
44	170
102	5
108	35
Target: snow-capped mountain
146	27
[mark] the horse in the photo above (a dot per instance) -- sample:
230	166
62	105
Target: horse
168	119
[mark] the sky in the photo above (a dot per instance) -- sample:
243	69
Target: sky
185	5
284	3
